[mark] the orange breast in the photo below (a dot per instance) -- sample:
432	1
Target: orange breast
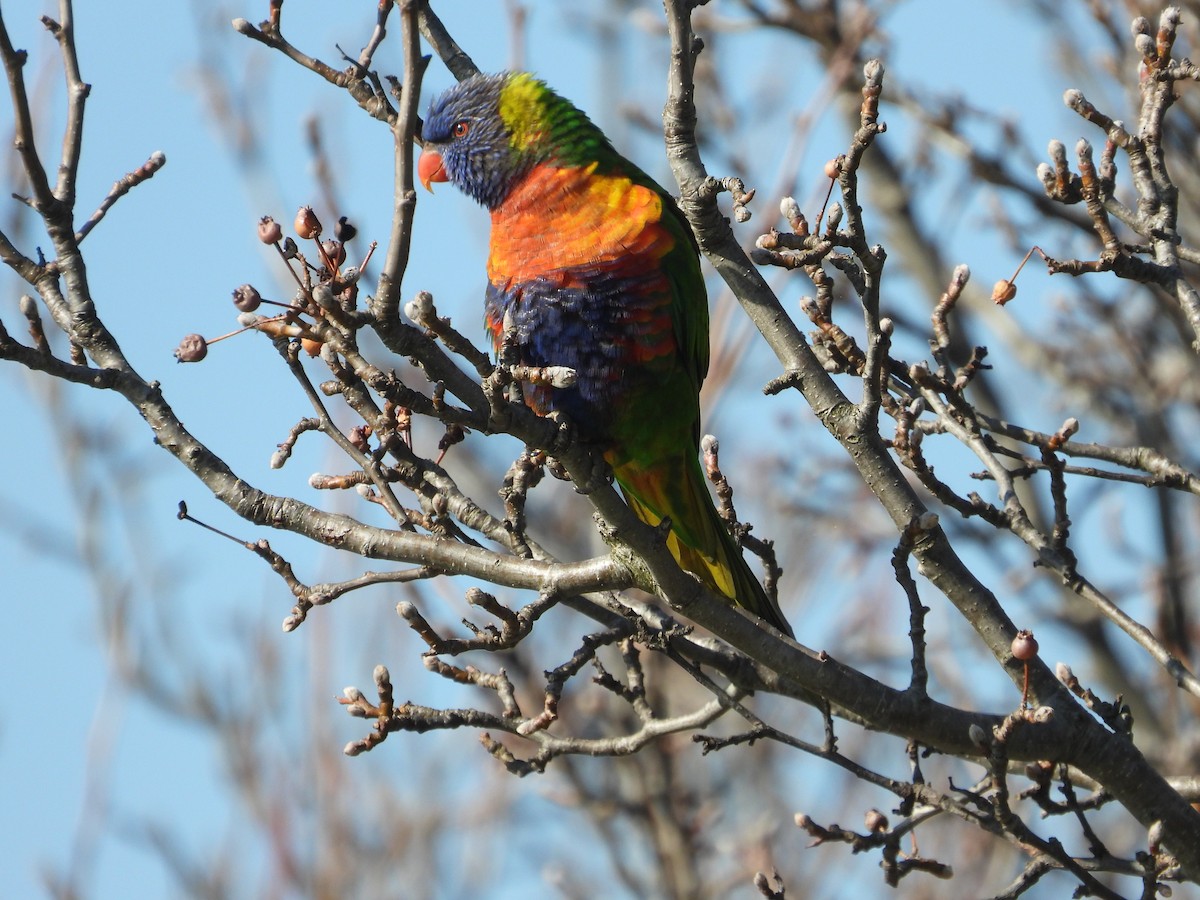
562	219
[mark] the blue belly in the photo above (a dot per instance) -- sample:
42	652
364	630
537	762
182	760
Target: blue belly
596	331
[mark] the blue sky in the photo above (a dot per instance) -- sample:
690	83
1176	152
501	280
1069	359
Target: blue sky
163	264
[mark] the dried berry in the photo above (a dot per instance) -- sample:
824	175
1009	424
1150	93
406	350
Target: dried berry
344	231
876	821
1003	291
192	348
307	224
454	434
1024	645
246	298
269	231
335	251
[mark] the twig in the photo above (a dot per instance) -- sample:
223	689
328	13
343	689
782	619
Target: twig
120	188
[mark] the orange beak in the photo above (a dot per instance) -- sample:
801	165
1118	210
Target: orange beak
430	169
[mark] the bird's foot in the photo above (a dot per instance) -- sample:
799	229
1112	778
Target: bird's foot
599	475
566	434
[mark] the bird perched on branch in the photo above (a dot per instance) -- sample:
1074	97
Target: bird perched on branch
592	266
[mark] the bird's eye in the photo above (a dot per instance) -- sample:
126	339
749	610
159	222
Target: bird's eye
459	129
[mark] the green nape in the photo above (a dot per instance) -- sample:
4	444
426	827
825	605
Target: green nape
542	121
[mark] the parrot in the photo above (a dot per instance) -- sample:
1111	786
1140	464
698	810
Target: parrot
593	266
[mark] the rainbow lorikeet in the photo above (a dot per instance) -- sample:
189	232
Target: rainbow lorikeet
592	266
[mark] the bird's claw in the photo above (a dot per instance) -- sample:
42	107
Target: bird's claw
601	474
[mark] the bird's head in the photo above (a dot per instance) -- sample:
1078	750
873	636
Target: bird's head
485	133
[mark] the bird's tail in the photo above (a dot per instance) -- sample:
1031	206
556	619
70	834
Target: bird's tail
699	540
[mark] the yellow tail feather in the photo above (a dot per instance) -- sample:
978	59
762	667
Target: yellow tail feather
698	540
